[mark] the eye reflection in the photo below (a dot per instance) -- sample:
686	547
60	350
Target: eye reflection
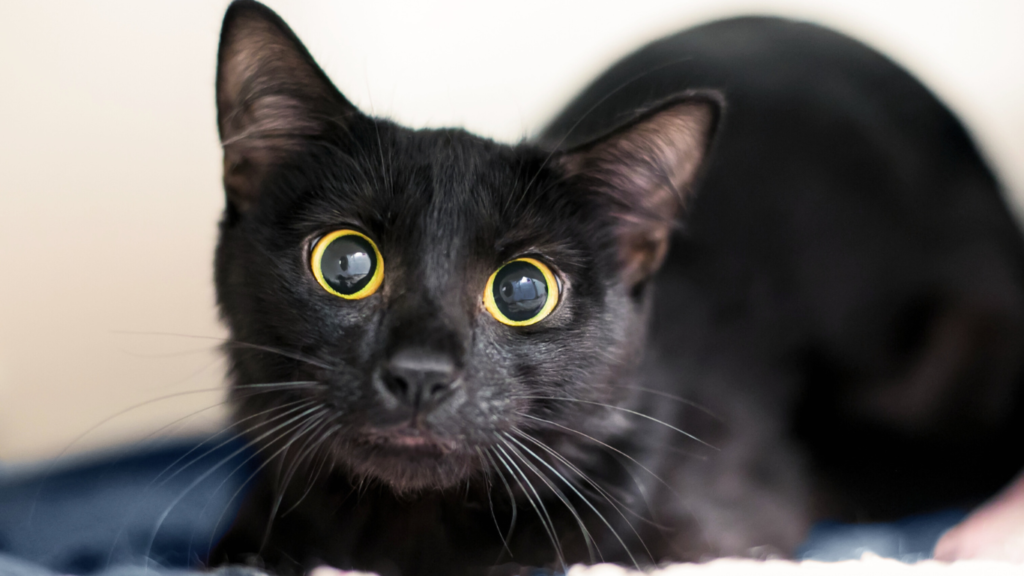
524	294
346	263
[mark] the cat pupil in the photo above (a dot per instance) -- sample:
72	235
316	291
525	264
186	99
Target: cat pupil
524	294
354	267
348	264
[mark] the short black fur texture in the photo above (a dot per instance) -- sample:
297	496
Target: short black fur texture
848	282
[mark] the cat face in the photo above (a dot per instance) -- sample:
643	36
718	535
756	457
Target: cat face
400	300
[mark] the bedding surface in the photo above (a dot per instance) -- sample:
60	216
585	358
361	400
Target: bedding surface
159	508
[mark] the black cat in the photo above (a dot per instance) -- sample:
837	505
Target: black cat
461	357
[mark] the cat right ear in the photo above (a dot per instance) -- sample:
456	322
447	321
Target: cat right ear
272	98
645	170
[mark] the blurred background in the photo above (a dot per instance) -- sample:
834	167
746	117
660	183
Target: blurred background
110	164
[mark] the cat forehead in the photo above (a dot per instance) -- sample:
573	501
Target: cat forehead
430	179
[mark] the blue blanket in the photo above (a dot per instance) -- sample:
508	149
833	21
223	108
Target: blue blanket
158	509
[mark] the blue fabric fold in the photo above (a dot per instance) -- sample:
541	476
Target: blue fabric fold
157	509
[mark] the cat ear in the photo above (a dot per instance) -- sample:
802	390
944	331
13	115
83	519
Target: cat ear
645	170
271	97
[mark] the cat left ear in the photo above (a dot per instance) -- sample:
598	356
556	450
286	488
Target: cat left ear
271	97
645	170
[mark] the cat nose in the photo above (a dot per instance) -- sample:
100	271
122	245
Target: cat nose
419	378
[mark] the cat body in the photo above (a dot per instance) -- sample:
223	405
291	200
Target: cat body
849	265
834	318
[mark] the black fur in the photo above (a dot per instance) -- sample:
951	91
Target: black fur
843	304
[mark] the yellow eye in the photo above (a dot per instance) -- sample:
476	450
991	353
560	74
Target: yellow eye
521	293
347	264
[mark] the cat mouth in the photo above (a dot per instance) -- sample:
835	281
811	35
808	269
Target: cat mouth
409	458
409	437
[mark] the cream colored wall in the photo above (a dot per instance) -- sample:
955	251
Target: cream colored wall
109	182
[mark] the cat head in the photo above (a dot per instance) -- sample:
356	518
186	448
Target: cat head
402	300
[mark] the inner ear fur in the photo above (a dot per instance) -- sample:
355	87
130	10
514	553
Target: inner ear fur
645	170
271	97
